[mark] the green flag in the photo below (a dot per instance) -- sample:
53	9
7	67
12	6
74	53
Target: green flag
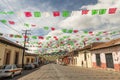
48	37
86	32
82	36
64	30
99	33
17	36
11	12
65	13
26	25
34	37
102	11
94	12
66	37
37	14
71	43
46	28
114	32
70	31
3	21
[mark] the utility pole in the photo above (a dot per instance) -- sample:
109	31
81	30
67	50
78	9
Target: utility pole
25	39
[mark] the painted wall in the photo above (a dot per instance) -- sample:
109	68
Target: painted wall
13	49
115	54
30	59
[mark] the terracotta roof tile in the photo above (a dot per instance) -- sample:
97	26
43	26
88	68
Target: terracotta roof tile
108	44
6	41
94	44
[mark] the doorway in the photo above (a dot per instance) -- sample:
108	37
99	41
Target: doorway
109	60
16	57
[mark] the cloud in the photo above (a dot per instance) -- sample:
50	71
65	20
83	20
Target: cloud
89	21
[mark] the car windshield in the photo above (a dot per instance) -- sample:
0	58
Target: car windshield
8	67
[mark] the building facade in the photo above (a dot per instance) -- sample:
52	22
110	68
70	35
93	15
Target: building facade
107	55
10	52
30	58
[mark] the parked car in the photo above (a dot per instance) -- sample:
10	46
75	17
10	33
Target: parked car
10	71
29	66
36	64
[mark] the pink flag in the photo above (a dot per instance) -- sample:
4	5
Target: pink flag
11	22
112	10
75	31
56	13
97	39
85	12
33	25
52	28
40	37
28	14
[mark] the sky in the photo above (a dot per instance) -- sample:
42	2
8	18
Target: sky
75	21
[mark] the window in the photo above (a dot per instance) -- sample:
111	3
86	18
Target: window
7	56
16	57
28	60
98	61
85	56
32	60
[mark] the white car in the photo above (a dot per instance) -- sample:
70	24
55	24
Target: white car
10	71
29	66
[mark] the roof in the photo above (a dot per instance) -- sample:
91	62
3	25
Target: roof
6	41
30	54
111	43
91	45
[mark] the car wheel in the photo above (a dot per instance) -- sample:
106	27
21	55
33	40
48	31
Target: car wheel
12	75
20	73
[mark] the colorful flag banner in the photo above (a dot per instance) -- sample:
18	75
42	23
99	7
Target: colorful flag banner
56	13
86	32
70	31
11	22
17	36
52	28
26	25
25	36
40	37
94	12
75	31
37	14
11	35
48	37
46	28
64	30
34	37
3	21
65	13
28	14
102	11
99	33
112	10
10	12
85	12
33	25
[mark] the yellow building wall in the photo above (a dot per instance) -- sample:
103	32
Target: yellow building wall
2	50
81	60
30	57
13	49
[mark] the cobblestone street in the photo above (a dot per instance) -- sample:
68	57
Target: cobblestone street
58	72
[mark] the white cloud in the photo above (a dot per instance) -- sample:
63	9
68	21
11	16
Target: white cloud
94	21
